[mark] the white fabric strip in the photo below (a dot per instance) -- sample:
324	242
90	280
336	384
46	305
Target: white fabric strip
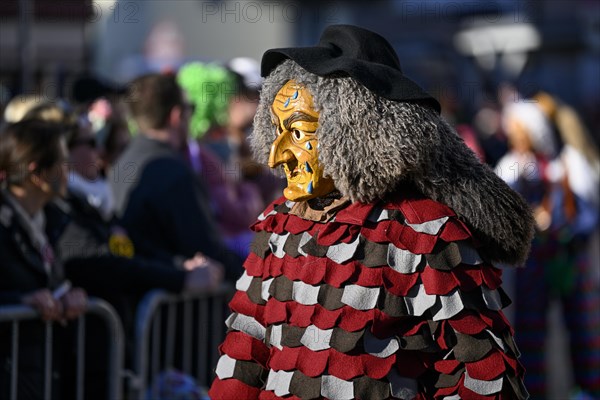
336	388
498	341
316	339
225	367
303	240
403	261
418	301
449	305
264	291
244	282
385	215
264	216
429	227
304	293
275	339
360	297
279	382
246	324
483	388
342	252
276	243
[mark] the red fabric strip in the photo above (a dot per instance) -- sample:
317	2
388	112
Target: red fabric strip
228	389
488	368
240	346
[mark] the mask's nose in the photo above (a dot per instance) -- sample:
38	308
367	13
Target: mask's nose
281	151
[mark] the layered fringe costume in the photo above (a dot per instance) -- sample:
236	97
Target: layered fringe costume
388	288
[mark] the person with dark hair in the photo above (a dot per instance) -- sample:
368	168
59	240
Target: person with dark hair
376	275
32	173
160	201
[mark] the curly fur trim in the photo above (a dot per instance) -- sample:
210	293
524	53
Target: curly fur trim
370	145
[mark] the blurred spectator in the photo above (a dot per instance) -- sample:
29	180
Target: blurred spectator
559	264
578	165
17	108
470	138
4	97
40	108
242	109
163	51
236	203
85	173
487	124
97	254
579	153
86	89
110	129
163	206
209	87
32	173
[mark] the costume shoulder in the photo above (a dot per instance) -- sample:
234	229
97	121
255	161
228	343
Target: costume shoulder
386	299
410	222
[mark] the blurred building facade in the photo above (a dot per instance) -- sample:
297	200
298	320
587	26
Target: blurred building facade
462	50
42	43
458	50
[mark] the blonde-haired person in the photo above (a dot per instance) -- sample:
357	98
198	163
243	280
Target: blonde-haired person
19	105
95	253
579	154
578	164
85	166
32	173
554	178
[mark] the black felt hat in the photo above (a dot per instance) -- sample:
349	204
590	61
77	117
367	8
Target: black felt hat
359	53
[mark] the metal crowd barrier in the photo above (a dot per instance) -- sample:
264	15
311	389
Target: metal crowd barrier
177	331
17	314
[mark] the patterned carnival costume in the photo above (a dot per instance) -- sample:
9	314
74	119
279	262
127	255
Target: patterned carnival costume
373	277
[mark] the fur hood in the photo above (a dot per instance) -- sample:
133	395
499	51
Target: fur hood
370	145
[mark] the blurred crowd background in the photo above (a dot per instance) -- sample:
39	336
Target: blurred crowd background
520	81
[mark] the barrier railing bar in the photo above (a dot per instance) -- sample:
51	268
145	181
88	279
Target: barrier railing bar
142	334
80	357
203	342
148	314
14	360
171	318
187	335
217	328
16	313
117	352
48	362
156	336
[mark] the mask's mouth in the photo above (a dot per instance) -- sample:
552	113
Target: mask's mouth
292	169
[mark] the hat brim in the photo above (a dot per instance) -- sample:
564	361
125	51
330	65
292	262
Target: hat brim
381	79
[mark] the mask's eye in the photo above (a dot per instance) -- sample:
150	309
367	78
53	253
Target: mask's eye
298	135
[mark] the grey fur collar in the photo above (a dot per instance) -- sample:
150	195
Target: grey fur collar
370	145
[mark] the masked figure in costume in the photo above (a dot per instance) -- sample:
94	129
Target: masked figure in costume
376	275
